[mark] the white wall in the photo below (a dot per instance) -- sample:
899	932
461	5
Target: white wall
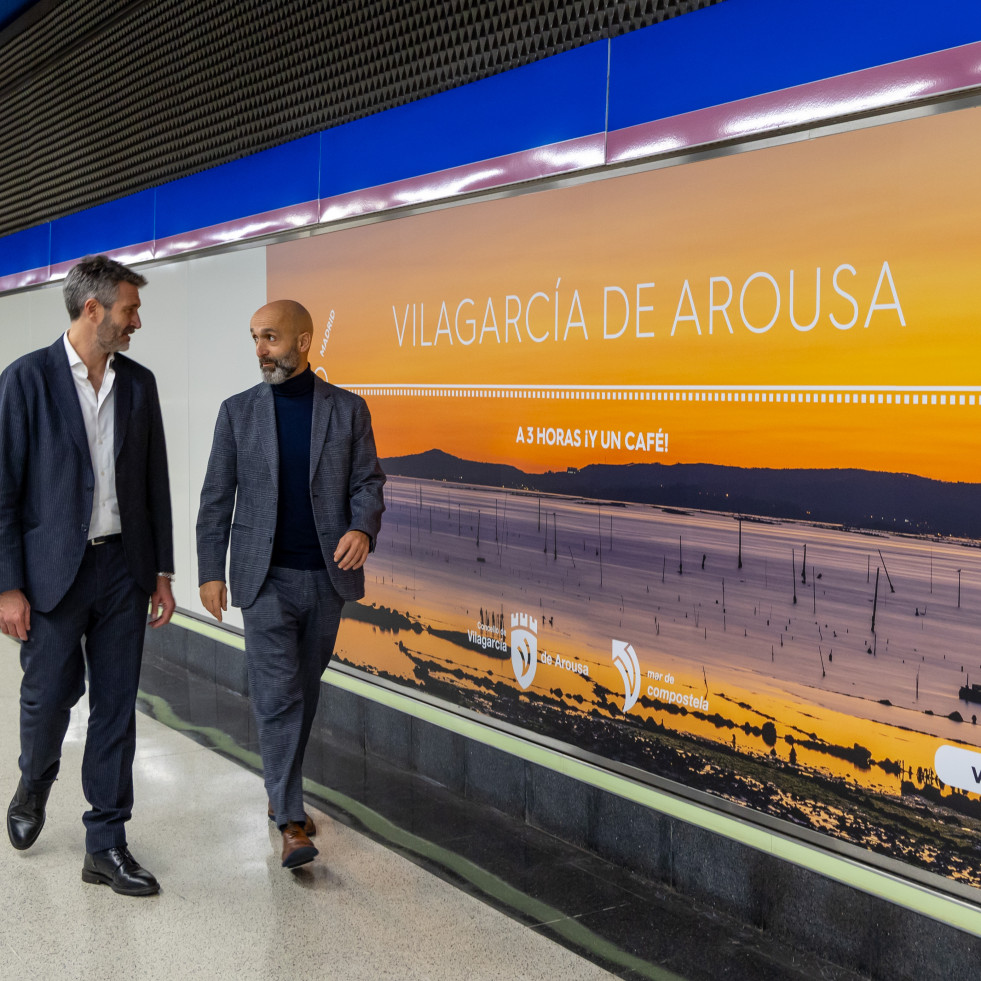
30	320
195	339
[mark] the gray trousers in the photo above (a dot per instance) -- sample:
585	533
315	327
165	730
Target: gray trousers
290	631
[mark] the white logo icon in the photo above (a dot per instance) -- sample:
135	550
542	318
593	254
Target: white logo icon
524	647
627	664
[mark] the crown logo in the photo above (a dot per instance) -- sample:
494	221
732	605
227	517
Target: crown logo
524	621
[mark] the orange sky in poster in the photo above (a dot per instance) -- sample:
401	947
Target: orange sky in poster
894	209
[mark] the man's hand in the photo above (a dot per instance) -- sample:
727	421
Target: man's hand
214	597
162	603
15	614
352	550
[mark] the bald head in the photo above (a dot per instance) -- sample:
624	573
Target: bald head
287	315
282	331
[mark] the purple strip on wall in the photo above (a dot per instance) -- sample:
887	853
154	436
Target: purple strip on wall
271	222
514	168
859	92
128	255
29	277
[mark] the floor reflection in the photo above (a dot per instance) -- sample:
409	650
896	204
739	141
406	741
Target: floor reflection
632	927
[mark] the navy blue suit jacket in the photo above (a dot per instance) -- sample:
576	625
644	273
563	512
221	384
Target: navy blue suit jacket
241	487
46	479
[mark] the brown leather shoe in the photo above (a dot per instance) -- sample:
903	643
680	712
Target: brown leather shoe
309	827
298	849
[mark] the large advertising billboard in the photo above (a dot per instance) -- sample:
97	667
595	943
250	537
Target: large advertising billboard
685	471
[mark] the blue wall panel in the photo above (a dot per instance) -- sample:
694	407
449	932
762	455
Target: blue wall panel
25	250
266	181
547	102
742	48
127	221
734	50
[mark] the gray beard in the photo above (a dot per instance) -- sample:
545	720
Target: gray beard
283	370
108	336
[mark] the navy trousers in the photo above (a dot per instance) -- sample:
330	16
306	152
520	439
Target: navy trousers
99	625
290	631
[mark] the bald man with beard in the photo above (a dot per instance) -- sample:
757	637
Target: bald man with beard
294	487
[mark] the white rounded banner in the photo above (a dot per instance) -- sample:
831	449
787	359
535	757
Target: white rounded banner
959	768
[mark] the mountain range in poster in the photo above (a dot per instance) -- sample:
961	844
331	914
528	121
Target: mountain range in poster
845	497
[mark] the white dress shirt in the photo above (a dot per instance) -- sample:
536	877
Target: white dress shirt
98	415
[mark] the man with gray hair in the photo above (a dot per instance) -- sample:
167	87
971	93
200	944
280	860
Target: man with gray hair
85	544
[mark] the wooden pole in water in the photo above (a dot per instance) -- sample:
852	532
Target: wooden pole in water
875	598
891	589
740	564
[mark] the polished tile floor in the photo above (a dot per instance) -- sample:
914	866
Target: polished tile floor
412	882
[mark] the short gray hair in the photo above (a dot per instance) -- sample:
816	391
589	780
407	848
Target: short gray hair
97	276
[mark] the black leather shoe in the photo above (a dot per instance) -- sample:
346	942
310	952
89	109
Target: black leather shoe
116	868
25	816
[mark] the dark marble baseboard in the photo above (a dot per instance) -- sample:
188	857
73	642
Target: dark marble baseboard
787	904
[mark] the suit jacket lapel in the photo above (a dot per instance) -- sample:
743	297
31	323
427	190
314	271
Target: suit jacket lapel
323	404
122	393
264	416
59	375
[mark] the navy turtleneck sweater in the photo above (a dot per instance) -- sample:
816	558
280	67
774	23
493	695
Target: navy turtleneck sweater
297	545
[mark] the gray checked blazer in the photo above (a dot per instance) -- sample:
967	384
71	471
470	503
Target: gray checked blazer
243	476
46	480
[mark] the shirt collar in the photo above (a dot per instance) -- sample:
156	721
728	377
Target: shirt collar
74	360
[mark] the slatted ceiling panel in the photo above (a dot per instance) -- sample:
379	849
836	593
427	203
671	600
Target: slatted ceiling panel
102	98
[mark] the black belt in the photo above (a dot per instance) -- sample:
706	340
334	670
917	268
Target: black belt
105	539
